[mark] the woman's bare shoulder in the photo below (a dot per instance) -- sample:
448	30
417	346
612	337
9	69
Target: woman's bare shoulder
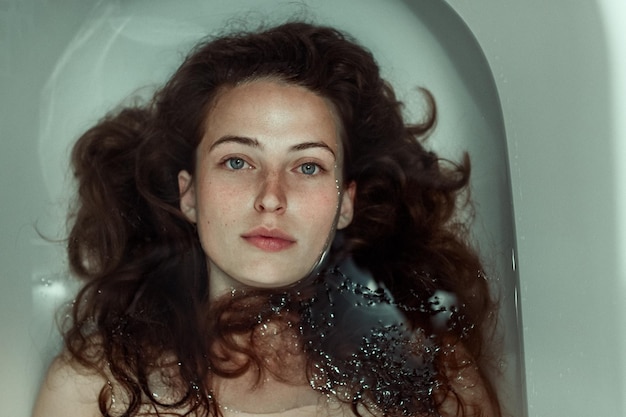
69	390
470	390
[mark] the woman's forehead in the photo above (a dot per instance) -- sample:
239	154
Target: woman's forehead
265	109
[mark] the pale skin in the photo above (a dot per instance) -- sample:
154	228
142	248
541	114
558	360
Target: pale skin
66	391
266	194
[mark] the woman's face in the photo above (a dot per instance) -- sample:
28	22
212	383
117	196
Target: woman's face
266	190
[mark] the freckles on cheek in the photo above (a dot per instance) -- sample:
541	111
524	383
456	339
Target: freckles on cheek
323	206
223	200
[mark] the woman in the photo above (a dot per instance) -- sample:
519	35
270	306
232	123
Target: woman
268	236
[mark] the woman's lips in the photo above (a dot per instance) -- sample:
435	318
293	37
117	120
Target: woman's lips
269	240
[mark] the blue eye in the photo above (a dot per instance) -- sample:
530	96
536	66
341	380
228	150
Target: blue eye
309	168
235	163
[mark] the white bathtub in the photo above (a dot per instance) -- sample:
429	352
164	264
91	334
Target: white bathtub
541	83
560	69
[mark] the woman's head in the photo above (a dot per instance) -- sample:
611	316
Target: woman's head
320	66
379	159
267	190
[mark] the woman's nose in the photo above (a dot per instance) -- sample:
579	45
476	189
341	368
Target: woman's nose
271	196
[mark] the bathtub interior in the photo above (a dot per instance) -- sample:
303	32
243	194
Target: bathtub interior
113	51
57	79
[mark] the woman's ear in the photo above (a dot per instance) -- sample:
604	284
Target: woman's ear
346	211
187	195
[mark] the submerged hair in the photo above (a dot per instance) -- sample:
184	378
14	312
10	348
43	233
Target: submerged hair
145	304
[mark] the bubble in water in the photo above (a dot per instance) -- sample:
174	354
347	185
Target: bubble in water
362	346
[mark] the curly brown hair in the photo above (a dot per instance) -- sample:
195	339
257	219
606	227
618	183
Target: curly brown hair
146	296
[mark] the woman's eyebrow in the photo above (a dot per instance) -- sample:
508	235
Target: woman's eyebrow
246	141
236	139
310	145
